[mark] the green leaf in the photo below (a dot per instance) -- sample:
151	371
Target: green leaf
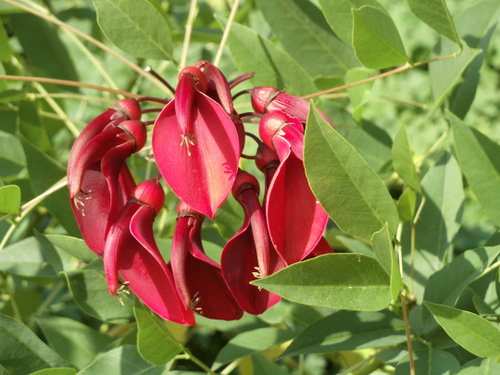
32	128
55	371
154	342
90	291
429	362
402	159
348	330
58	259
124	360
74	341
376	39
357	93
12	159
306	36
135	26
340	281
435	13
10	199
229	218
5	49
447	284
264	366
76	247
406	204
25	258
483	366
479	159
22	352
251	342
469	330
352	194
338	13
272	66
384	252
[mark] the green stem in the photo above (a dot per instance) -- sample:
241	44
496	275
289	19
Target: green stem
407	331
227	30
193	10
194	359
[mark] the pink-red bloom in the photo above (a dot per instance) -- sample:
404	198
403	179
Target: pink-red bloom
249	255
196	145
131	251
295	219
198	278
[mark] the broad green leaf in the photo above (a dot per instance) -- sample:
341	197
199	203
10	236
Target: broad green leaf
23	303
435	13
264	366
12	159
429	362
10	199
483	366
376	39
469	330
44	173
475	24
22	352
272	66
43	47
58	259
348	330
229	218
135	26
384	252
5	49
445	74
402	159
406	204
154	342
479	159
76	247
338	13
357	93
32	128
340	281
124	360
90	291
72	340
352	194
251	342
306	36
25	258
55	371
447	284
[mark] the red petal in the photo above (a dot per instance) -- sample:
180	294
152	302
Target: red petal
202	173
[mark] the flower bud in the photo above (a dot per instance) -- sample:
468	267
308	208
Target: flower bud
199	77
137	130
273	123
151	193
129	108
244	181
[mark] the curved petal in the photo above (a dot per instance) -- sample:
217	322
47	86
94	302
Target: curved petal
200	169
295	219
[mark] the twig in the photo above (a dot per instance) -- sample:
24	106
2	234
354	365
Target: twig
227	30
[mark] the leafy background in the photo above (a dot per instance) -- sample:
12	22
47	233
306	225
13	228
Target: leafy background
410	179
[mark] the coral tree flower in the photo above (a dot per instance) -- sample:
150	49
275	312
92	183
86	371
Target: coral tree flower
249	255
132	252
196	145
295	219
197	277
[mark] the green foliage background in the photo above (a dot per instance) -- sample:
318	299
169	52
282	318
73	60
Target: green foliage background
410	178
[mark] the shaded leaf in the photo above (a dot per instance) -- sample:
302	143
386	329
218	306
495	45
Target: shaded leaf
341	281
469	330
306	36
406	204
5	49
479	159
352	194
348	330
56	371
22	352
72	340
135	26
402	159
376	39
10	199
435	13
483	366
76	247
430	362
154	342
357	93
272	66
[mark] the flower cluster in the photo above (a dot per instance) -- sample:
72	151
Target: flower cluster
197	141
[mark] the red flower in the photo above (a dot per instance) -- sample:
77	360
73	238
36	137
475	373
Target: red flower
131	250
197	277
295	219
249	255
196	145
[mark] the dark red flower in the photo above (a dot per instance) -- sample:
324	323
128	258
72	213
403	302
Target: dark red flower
198	278
132	252
249	255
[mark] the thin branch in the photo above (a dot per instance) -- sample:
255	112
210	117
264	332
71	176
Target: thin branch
193	11
227	30
407	331
77	32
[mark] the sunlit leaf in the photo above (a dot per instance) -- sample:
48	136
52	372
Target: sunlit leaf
429	361
402	159
10	199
